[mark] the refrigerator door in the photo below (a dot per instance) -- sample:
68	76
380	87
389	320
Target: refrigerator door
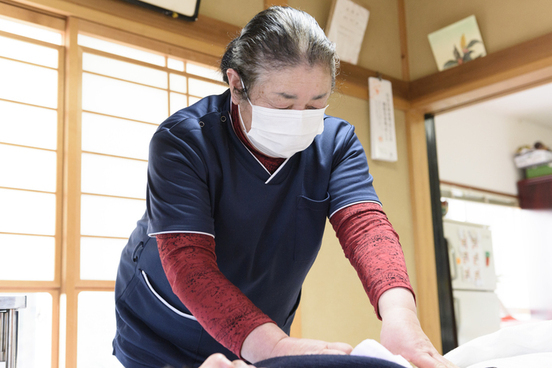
471	256
477	314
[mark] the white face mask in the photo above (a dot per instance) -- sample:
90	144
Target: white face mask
282	133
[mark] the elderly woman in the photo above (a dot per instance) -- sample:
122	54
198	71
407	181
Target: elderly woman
239	189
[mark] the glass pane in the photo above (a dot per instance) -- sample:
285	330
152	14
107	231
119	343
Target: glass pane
35	331
175	64
178	83
28	125
105	216
27	257
178	102
113	176
27	212
19	83
201	88
124	70
204	71
25	51
98	251
123	99
25	30
27	168
193	100
121	50
96	319
104	134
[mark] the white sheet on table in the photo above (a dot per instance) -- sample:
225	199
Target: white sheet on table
539	360
511	345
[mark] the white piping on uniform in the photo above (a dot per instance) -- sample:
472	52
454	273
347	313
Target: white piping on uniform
189	316
350	204
151	235
277	170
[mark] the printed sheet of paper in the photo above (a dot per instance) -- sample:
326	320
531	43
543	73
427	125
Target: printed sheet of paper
383	142
347	25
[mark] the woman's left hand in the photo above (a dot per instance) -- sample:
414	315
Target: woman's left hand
402	334
220	361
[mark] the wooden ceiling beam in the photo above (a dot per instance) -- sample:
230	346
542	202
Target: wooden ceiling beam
515	68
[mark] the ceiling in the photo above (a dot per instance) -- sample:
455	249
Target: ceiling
532	105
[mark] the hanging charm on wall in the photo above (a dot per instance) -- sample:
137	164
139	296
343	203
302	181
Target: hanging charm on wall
383	142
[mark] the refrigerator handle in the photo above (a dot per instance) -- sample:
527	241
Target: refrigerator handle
453	266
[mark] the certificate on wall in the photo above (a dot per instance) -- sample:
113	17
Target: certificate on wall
383	142
346	28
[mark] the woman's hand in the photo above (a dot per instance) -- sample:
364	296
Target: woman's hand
268	341
295	346
220	361
402	334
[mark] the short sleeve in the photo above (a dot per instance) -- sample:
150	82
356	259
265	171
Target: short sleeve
350	181
178	197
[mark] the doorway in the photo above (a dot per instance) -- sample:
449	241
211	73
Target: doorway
474	148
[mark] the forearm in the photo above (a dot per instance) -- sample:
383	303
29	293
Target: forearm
372	246
220	307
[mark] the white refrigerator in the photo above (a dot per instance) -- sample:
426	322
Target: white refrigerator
476	305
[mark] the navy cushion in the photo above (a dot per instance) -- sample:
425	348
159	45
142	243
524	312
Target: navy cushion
326	361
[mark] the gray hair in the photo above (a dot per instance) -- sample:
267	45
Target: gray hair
275	39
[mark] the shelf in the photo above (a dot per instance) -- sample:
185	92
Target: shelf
535	193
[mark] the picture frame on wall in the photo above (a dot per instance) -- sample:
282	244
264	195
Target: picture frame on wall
178	9
457	43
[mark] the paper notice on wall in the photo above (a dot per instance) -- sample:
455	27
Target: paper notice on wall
383	142
346	28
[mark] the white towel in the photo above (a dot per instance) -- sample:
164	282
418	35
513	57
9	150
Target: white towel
372	348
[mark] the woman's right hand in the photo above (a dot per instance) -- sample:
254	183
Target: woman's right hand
295	346
269	341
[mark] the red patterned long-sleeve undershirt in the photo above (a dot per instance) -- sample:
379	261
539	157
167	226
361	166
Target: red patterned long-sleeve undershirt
189	260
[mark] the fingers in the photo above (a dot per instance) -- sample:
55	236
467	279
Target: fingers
217	361
432	361
340	346
332	352
220	361
447	363
241	364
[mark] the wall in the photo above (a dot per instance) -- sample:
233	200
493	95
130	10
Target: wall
476	147
502	23
380	48
236	12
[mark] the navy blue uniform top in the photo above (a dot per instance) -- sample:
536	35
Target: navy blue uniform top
267	228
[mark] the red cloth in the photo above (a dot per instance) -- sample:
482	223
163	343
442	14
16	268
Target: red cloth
189	260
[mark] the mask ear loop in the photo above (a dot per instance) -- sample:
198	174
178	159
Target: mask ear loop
246	93
239	110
